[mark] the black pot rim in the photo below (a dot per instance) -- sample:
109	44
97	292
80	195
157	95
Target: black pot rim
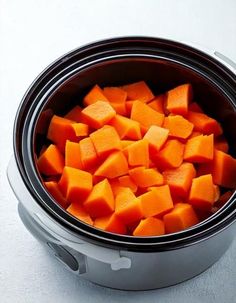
31	179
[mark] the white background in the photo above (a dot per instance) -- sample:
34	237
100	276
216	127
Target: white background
32	34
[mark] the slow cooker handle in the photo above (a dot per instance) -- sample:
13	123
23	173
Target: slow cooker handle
217	55
63	236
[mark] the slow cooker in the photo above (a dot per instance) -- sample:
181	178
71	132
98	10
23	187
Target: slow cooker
112	260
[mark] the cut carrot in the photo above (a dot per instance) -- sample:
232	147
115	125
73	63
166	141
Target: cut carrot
128	207
180	179
94	95
126	127
138	90
125	143
158	103
51	162
126	181
146	177
114	166
224	169
145	115
105	141
178	99
171	155
138	153
202	193
157	201
74	114
194	107
100	201
178	126
80	129
149	227
80	213
181	217
88	155
110	223
97	114
60	130
204	123
156	137
75	184
199	149
72	155
54	190
115	94
221	144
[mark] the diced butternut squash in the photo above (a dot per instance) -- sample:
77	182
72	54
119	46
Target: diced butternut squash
178	99
114	166
74	114
51	161
194	107
199	149
106	140
224	170
145	115
171	155
126	127
128	207
221	144
149	227
97	114
146	177
181	217
202	192
110	223
180	179
125	143
54	190
178	126
158	103
88	155
138	153
157	201
115	94
128	106
138	90
126	181
80	129
73	155
134	164
204	123
94	95
156	137
120	108
60	130
194	134
75	184
217	193
100	201
80	213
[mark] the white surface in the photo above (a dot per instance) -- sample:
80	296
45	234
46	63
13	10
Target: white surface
32	34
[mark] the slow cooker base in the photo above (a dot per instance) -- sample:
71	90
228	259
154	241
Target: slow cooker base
147	271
